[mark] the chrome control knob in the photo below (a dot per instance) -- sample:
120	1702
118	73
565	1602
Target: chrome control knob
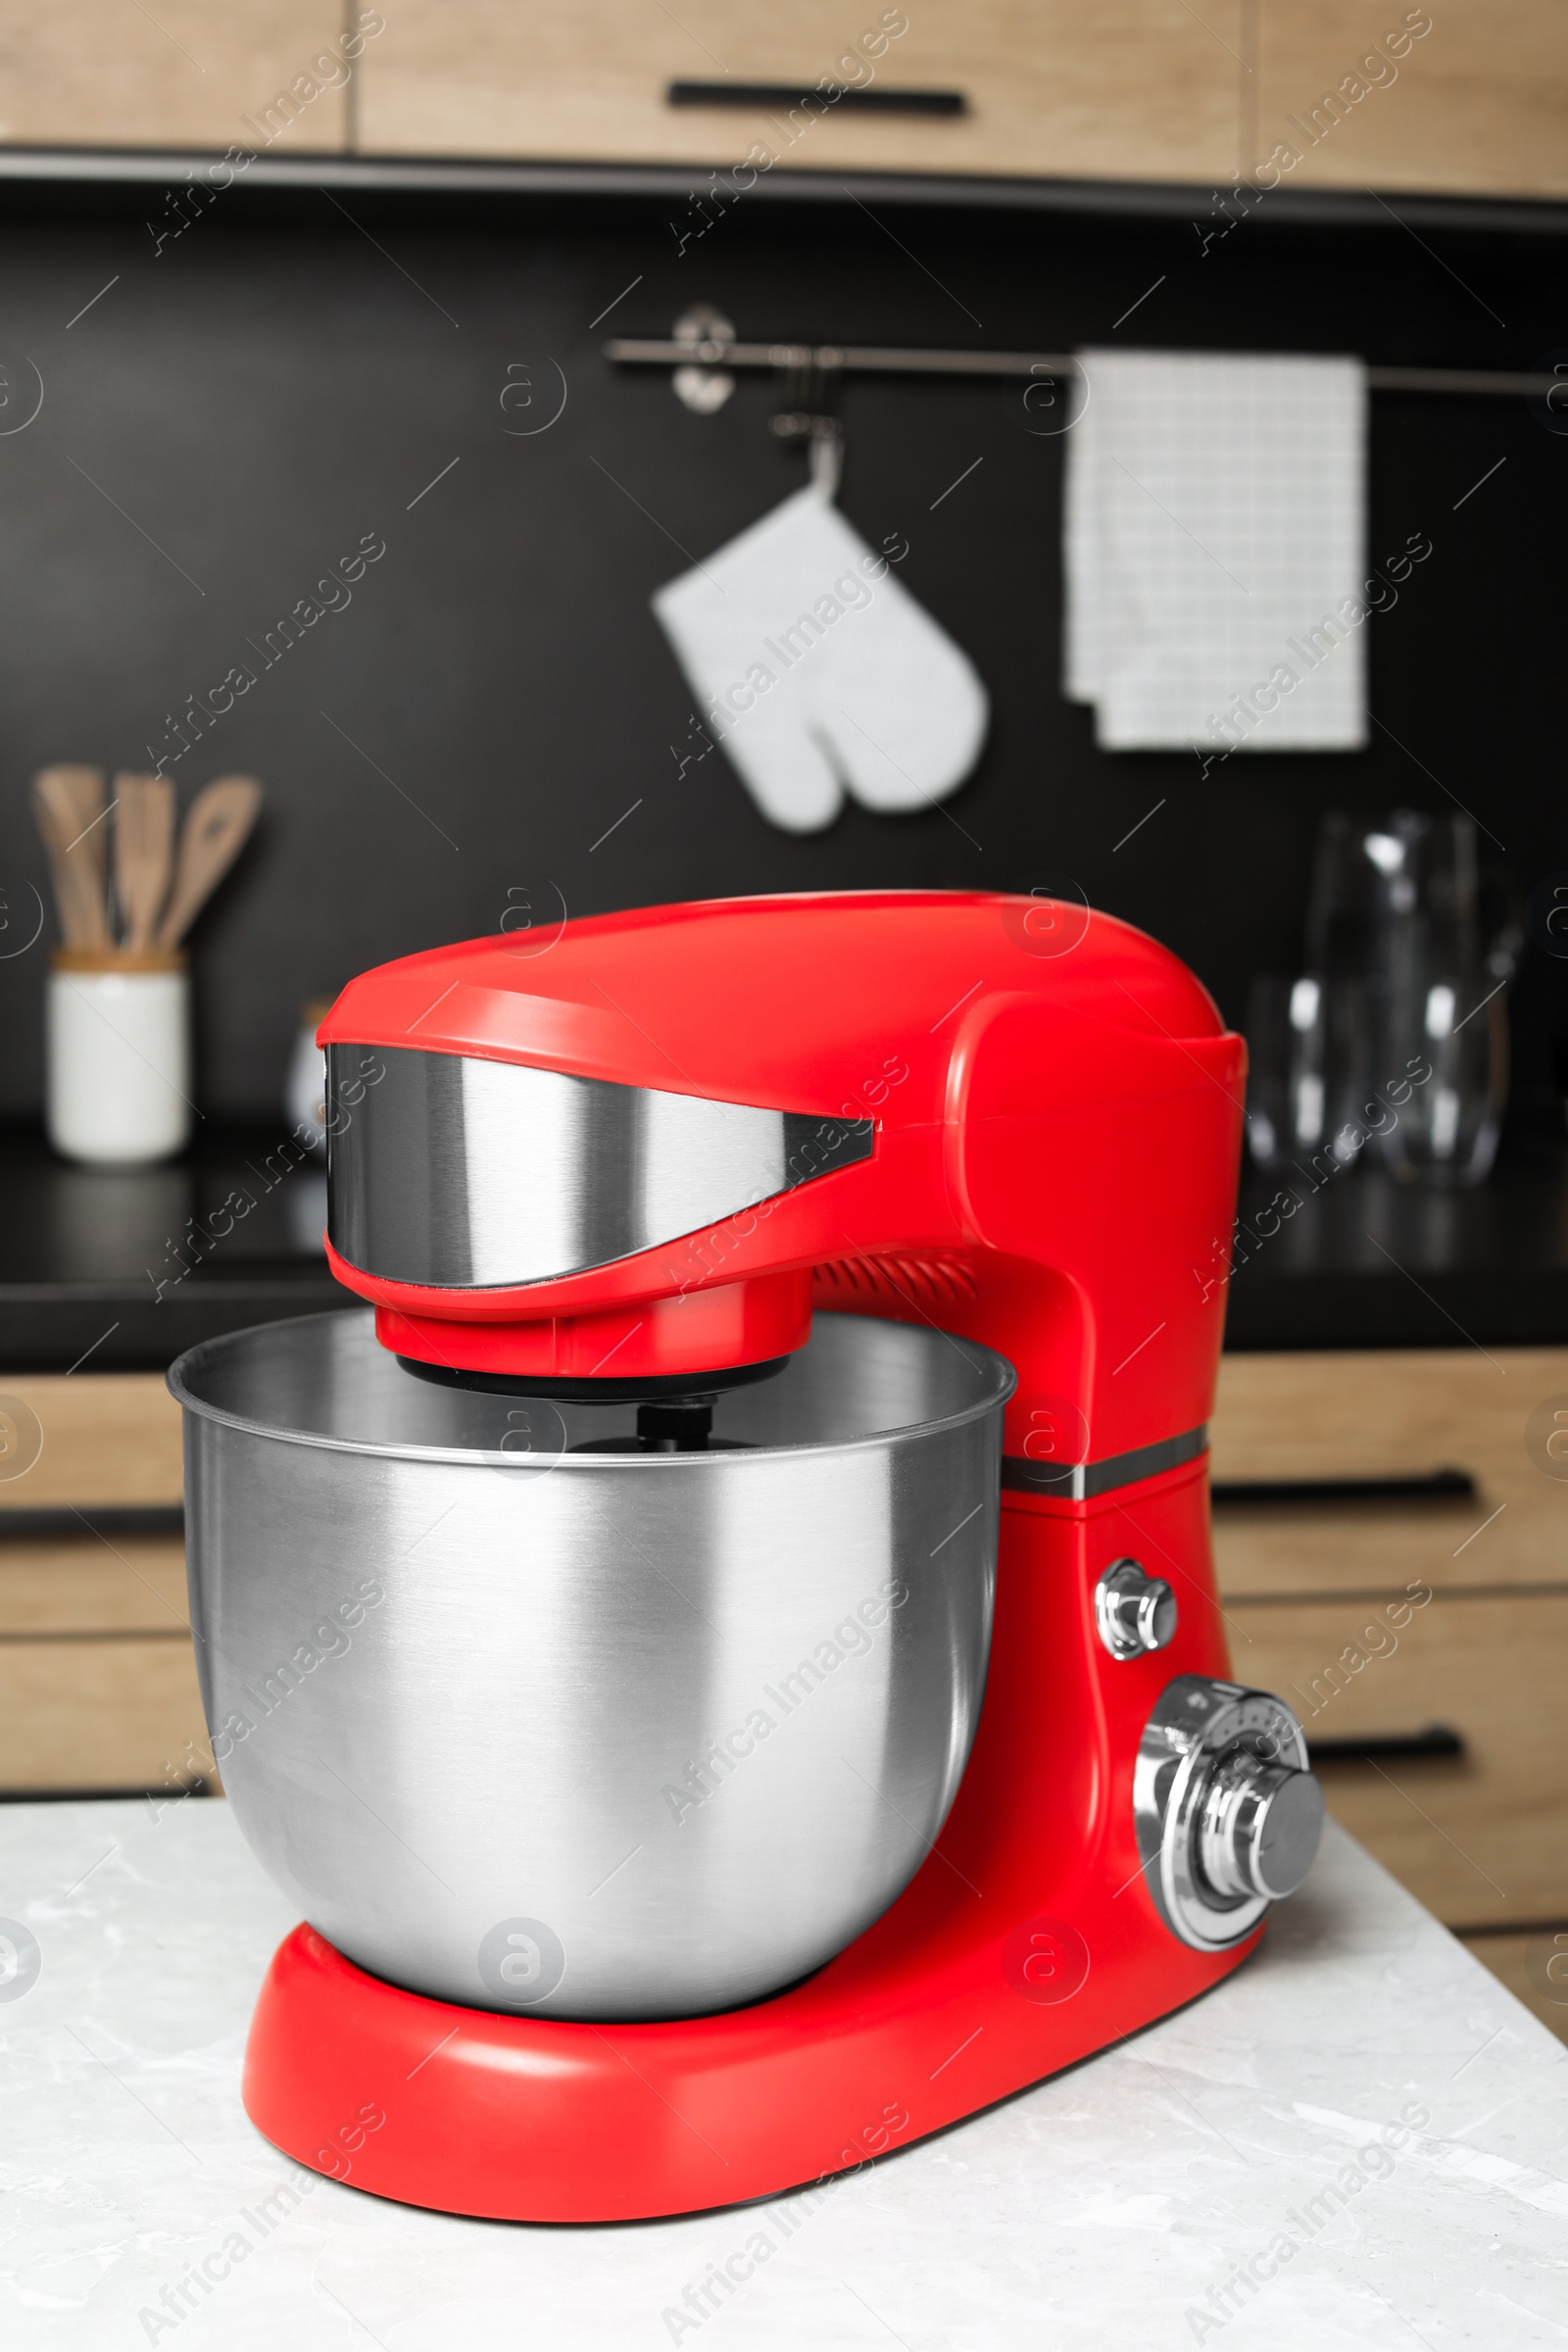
1135	1612
1258	1827
1228	1815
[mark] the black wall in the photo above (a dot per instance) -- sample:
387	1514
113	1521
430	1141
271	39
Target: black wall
282	379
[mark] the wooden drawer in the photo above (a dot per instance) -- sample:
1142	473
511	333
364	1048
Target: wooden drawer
1375	1414
87	1438
1481	1837
97	1678
129	1585
1130	90
100	1713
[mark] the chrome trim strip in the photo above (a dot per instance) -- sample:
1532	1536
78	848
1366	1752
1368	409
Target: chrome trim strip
458	1173
1080	1482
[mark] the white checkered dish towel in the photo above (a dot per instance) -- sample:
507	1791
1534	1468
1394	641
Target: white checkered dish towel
1214	538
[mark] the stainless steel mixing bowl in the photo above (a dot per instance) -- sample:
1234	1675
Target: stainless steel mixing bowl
595	1733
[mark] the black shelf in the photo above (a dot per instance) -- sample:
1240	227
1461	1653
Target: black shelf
93	1261
1367	1262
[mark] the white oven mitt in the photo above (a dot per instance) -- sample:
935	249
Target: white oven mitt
815	670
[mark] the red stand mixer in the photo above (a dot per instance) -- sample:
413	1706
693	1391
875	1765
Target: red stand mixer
604	1175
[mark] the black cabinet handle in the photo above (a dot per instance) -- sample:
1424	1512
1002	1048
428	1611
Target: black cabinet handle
847	100
1377	1747
1433	1486
103	1519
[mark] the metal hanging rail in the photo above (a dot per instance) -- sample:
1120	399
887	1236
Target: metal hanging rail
871	359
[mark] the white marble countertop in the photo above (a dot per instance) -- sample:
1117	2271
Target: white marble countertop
1169	2193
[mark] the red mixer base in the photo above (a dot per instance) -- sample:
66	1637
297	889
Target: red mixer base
1025	1941
516	2118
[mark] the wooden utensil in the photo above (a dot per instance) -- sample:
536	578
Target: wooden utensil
69	804
90	853
144	851
220	820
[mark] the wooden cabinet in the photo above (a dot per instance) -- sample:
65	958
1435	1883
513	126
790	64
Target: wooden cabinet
97	1677
1481	1836
1131	89
1300	96
1477	101
1383	1621
103	73
1389	1413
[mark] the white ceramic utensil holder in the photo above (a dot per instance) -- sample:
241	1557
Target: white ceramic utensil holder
118	1053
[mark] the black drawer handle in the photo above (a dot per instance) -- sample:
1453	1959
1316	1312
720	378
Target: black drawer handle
104	1519
1433	1486
1375	1747
842	97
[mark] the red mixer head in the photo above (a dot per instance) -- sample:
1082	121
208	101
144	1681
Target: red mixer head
623	1157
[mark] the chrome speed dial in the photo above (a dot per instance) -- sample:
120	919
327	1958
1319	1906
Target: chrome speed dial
1227	1813
1258	1827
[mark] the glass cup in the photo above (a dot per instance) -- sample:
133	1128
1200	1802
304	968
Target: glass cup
1310	1043
1448	1036
1400	904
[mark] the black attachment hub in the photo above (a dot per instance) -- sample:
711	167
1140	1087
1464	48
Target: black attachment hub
664	1388
683	1425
